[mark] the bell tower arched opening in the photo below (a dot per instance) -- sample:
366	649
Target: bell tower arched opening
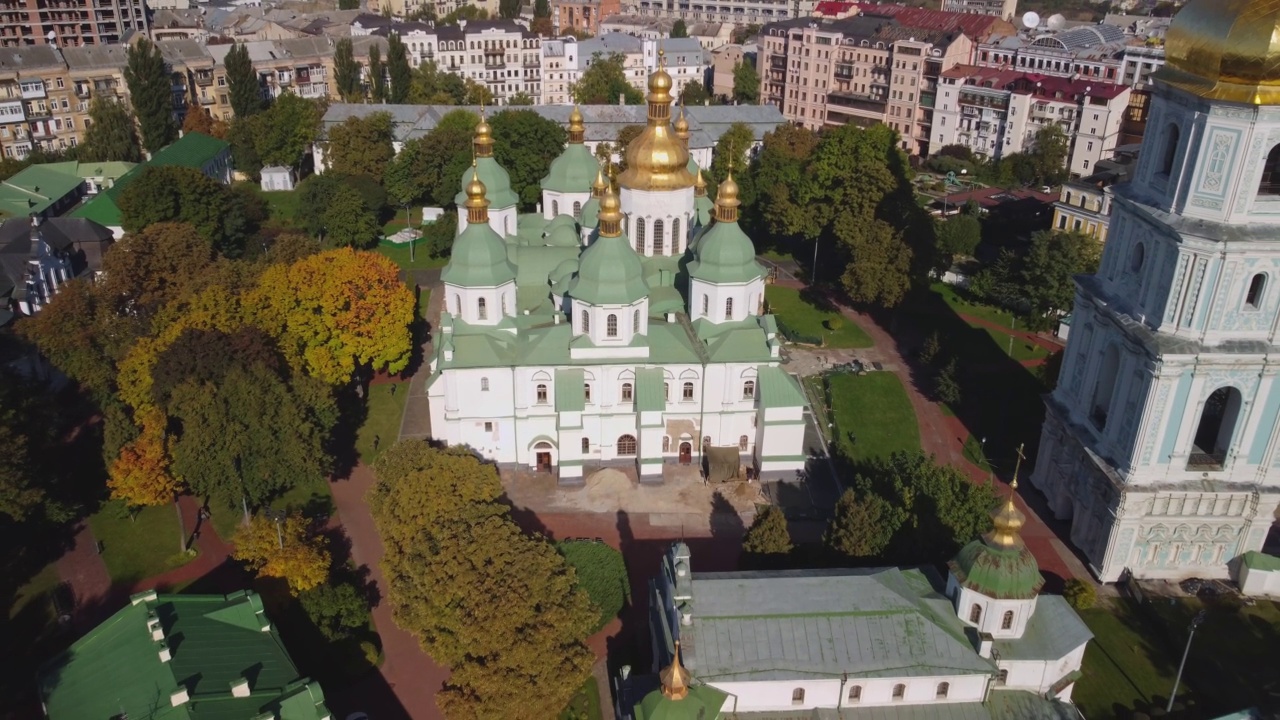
1215	430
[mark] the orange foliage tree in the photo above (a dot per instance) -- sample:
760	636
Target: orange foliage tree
140	475
284	549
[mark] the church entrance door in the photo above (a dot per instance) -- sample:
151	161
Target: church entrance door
544	461
686	453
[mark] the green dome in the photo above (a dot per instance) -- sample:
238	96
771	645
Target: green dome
497	184
479	259
705	210
725	255
564	270
573	171
702	703
590	213
563	236
693	166
609	273
561	221
1005	573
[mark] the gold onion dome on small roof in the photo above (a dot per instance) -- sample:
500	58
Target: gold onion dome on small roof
1008	521
656	158
475	190
1225	50
675	679
577	127
682	126
610	217
600	185
727	201
484	138
700	185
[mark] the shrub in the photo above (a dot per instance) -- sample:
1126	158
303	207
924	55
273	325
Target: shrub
602	574
1080	594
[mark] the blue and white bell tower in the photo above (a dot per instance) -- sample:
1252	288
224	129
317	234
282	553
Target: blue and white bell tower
1160	443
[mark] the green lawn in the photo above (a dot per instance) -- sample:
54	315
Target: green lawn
803	317
585	704
282	204
959	302
399	254
1022	349
37	590
138	548
873	417
383	421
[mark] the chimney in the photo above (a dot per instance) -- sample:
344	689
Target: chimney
165	653
179	697
240	687
985	642
153	626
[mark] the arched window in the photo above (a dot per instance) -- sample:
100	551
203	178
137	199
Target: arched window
1006	622
635	322
666	391
706	305
728	309
975	614
555	208
1002	677
943	689
676	245
457	305
640	235
540	393
1270	183
688	391
899	691
481	310
855	693
797	696
1215	431
586	321
666	443
503	300
586	392
627	445
1105	386
1253	298
1171	137
1137	256
611	326
659	242
586	446
742	442
626	392
748	389
484	384
577	210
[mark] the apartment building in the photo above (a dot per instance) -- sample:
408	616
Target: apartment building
998	112
738	12
1004	9
70	23
583	16
39	107
564	60
1084	204
646	28
723	62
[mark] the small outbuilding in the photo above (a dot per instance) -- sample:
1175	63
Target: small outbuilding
277	178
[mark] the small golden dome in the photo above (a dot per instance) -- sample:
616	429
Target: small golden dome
609	203
728	192
1008	520
675	679
1225	50
575	117
682	126
609	218
475	190
700	184
598	187
577	130
484	139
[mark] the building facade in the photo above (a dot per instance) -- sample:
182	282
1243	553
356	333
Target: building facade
1004	9
1084	204
565	60
70	24
1161	442
582	16
738	12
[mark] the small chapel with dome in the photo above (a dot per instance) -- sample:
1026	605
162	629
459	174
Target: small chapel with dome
623	324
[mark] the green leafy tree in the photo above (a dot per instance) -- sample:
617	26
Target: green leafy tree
377	75
601	573
20	492
542	8
694	93
731	151
336	610
604	81
437	237
111	136
626	134
284	133
931	350
861	528
360	146
958	237
432	86
180	194
165	260
464	13
80	333
1049	154
348	4
348	222
313	194
398	70
150	91
1047	277
509	9
525	143
947	384
243	136
520	99
679	29
346	72
768	541
477	93
778	171
427	169
242	82
746	83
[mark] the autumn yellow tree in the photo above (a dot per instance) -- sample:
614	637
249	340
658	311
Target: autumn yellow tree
140	475
336	311
284	549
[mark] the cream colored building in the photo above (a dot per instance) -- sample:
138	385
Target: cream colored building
39	105
723	61
564	60
1004	9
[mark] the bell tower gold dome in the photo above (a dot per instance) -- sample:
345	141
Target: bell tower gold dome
657	159
1225	50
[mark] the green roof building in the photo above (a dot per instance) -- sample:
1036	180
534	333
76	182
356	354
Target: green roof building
50	189
181	657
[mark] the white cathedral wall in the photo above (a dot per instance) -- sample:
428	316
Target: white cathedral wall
991	619
777	695
502	220
715	298
1039	676
464	302
666	205
560	203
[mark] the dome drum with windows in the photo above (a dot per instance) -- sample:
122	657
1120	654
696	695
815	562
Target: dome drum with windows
1225	50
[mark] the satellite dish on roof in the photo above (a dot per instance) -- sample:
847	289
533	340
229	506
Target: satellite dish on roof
1031	20
1056	21
51	35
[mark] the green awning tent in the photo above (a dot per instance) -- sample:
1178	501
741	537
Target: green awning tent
723	464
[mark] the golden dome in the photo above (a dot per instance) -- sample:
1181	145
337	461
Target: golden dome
484	138
657	159
600	185
475	190
1008	520
1225	50
675	679
700	184
727	200
577	129
682	126
609	219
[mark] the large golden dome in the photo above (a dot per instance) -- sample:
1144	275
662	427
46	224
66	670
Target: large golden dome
1225	50
657	159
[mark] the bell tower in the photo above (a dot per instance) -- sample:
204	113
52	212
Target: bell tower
1160	442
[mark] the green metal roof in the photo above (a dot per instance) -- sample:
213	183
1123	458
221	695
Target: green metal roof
1255	560
777	389
570	390
591	213
998	572
739	339
705	210
650	395
702	703
34	189
192	150
497	184
726	255
214	641
1052	633
479	259
609	273
573	171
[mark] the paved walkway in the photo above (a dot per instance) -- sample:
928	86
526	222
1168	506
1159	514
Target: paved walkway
416	422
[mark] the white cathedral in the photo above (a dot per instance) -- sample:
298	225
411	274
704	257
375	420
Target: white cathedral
622	325
1161	442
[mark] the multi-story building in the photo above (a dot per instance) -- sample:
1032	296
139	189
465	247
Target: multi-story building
582	16
564	60
1161	442
70	23
1084	205
723	62
998	112
646	28
738	12
39	105
1003	9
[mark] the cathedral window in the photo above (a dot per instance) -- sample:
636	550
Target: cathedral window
1137	257
484	384
975	614
943	689
743	442
728	309
749	390
635	322
457	305
482	311
586	321
586	392
659	243
1002	678
503	301
666	443
1171	137
1257	286
899	691
1270	183
586	446
627	393
797	696
640	235
577	210
555	208
855	693
675	237
627	445
611	326
706	305
540	393
1006	622
687	394
666	391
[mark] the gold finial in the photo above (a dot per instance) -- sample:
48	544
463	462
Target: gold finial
598	187
675	679
609	218
700	184
1008	520
577	130
727	200
682	126
477	204
483	145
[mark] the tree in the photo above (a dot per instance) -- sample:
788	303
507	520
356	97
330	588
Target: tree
520	99
346	72
626	134
601	574
150	90
931	350
477	94
1049	154
243	136
525	143
509	9
111	134
398	70
767	540
180	194
81	336
947	385
157	265
140	475
731	151
284	549
313	195
679	29
437	237
746	83
861	529
1047	278
777	172
432	86
433	164
348	4
604	81
542	26
195	119
285	132
348	222
464	12
336	610
337	310
542	8
20	494
377	75
694	93
360	146
958	237
242	82
879	269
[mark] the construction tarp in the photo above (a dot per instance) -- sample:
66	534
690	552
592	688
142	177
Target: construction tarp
723	464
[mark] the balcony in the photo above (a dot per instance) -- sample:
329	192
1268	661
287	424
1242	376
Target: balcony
498	64
33	90
204	79
34	112
206	100
82	90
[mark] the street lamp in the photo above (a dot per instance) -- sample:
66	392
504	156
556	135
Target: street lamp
278	516
1195	623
